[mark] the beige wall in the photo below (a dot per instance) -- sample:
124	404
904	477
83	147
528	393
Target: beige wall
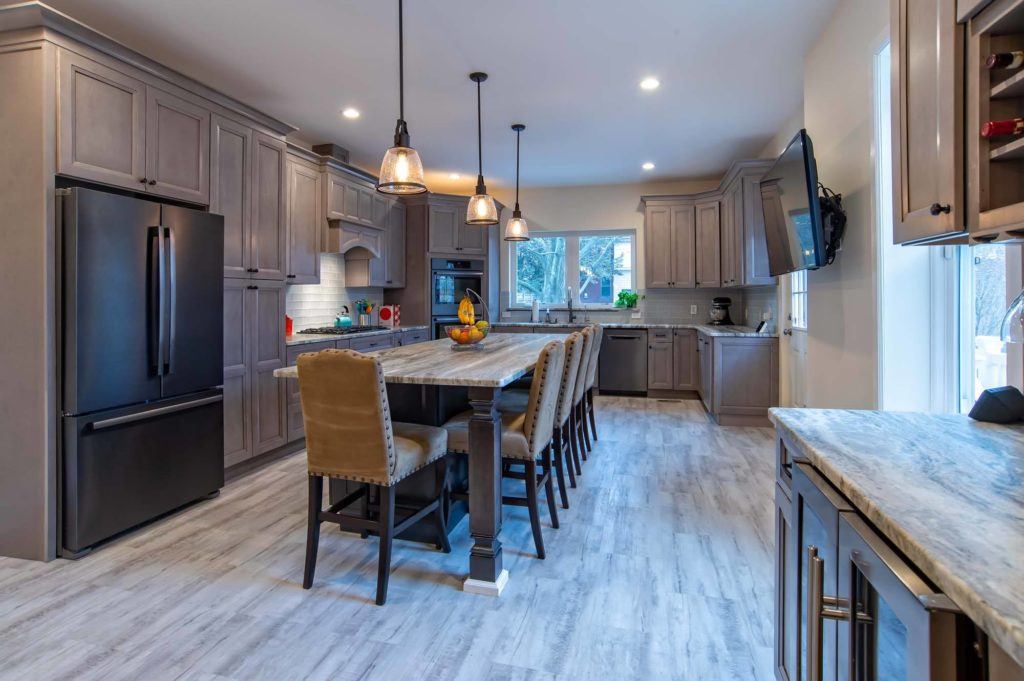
591	207
838	115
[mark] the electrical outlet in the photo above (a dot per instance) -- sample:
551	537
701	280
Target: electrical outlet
767	315
636	315
693	310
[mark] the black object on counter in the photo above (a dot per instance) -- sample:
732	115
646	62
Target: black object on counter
999	405
720	311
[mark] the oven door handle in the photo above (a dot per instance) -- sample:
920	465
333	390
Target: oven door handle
457	273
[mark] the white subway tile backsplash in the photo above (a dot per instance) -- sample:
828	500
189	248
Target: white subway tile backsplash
317	304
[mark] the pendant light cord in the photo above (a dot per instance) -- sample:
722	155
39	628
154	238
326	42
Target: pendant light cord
517	169
479	134
401	66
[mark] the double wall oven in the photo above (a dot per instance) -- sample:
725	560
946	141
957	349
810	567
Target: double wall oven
449	280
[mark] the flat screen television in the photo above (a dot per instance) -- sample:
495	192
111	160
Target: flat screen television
793	221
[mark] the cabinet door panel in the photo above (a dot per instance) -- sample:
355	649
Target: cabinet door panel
785	589
237	403
443	225
658	251
709	265
381	211
366	201
684	365
746	374
102	129
230	173
395	277
684	247
268	208
177	147
659	365
304	227
927	111
269	422
755	248
472	239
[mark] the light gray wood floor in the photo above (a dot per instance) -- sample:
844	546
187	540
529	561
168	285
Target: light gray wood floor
662	569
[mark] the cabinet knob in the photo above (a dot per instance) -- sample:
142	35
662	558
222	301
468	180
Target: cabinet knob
291	276
252	288
142	180
151	182
939	209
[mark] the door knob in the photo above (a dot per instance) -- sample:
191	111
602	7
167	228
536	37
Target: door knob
787	332
938	209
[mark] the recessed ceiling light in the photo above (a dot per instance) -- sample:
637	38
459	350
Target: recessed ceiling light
454	176
648	166
650	83
350	113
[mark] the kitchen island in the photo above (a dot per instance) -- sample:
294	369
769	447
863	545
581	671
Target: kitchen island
432	369
946	491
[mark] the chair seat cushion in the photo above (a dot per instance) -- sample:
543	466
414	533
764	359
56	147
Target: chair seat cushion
417	446
513	438
514	400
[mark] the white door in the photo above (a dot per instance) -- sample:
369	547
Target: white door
794	336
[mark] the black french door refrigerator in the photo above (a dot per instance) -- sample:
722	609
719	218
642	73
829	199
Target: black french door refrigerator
141	362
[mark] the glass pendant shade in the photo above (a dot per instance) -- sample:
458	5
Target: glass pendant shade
401	172
1012	328
481	210
517	230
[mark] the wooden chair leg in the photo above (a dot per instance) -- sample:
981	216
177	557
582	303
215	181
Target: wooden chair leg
574	443
387	531
316	495
581	424
566	450
549	487
531	504
557	461
440	522
589	397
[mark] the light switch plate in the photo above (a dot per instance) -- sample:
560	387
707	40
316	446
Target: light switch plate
693	309
767	315
636	315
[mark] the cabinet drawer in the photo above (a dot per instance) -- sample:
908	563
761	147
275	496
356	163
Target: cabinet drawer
293	355
371	343
415	336
660	334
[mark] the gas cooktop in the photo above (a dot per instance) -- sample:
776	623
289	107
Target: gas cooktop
342	330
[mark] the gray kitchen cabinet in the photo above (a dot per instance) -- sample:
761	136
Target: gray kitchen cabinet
659	360
354	200
296	431
785	652
708	265
447	231
413	336
755	249
269	205
394	270
177	147
927	120
706	350
237	376
230	181
371	343
472	239
685	366
731	235
303	226
669	244
742	378
102	123
266	333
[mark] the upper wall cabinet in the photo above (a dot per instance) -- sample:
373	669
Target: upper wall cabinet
448	232
230	190
709	263
355	201
269	248
927	120
669	244
117	130
303	227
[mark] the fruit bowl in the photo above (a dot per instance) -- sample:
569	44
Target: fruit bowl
468	334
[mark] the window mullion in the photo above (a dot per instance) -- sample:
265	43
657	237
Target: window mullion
572	264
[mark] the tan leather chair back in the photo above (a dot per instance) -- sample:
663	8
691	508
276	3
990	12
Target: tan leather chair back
581	375
540	410
595	352
573	355
346	415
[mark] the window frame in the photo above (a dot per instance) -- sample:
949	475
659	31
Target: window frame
572	266
798	291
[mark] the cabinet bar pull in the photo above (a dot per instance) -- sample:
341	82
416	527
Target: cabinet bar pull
819	607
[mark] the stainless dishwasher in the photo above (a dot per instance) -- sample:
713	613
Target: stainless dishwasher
623	361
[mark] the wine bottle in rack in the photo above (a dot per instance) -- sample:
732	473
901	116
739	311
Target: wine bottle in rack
1012	126
1005	60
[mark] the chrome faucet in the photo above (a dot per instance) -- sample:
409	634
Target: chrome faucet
572	313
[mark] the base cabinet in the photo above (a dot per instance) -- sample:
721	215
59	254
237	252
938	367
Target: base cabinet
739	377
254	400
659	360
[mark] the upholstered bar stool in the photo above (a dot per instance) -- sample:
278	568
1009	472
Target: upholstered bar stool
517	400
579	442
588	394
526	438
350	436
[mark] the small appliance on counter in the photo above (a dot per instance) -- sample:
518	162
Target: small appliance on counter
720	311
343	320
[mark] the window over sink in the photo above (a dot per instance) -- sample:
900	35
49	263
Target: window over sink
597	264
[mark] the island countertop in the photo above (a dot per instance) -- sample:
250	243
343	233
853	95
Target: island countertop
948	491
733	330
495	362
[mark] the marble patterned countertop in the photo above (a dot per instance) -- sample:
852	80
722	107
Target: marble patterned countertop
303	338
708	329
495	362
948	491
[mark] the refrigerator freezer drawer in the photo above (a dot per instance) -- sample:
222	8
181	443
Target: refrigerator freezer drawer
123	467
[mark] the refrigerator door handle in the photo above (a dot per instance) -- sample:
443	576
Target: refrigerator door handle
172	305
152	413
158	274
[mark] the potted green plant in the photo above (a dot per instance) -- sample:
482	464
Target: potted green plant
627	299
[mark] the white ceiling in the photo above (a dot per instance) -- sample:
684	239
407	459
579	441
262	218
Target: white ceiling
731	74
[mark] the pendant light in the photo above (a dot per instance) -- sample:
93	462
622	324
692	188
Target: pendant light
516	229
401	171
481	209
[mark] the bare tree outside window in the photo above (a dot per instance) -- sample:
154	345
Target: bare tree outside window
540	270
596	264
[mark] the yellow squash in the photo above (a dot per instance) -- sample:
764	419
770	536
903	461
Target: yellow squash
467	315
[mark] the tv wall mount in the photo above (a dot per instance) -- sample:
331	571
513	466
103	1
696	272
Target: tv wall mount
833	221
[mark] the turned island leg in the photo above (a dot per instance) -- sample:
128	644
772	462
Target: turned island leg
486	574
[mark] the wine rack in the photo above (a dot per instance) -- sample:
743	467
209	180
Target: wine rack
995	172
